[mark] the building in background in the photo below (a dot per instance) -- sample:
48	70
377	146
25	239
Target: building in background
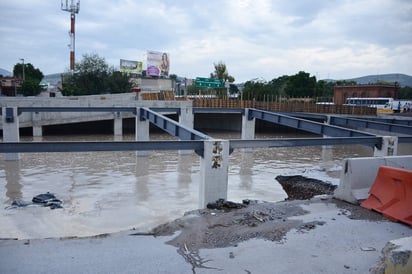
9	86
340	93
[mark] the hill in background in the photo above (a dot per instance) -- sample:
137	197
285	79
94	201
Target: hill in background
53	79
5	73
402	79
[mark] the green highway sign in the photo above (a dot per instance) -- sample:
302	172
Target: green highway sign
209	83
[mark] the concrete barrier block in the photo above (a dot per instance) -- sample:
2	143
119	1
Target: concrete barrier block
358	175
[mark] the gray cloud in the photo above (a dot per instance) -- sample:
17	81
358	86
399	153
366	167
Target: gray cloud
260	38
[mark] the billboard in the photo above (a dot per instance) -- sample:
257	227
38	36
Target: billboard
158	63
127	66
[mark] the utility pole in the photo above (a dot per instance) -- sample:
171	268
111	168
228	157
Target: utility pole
73	9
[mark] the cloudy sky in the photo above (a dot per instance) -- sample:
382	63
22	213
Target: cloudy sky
262	39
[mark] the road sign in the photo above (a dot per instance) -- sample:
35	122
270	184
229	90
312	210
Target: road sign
209	83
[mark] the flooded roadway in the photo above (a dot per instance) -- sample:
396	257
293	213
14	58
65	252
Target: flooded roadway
105	192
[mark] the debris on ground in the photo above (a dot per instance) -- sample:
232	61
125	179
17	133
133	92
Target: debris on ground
46	200
298	187
222	204
225	223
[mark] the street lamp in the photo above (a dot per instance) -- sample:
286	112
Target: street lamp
22	59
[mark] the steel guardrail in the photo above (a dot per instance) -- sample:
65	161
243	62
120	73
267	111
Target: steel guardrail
196	145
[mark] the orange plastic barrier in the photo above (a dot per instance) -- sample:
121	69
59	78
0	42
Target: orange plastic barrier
391	194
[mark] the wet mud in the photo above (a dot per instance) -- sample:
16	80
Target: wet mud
226	224
302	188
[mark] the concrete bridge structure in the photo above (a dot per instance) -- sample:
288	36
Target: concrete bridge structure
38	112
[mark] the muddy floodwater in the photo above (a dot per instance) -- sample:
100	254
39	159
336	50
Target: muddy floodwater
105	192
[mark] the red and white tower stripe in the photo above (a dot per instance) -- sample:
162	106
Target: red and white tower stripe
73	9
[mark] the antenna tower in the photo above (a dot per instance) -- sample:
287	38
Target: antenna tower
73	9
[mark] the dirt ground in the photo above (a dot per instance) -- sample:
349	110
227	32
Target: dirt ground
225	223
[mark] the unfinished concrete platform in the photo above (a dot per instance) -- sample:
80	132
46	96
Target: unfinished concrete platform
322	235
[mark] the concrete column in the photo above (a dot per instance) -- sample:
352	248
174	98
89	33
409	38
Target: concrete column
186	118
389	147
118	124
142	132
37	128
248	129
327	122
214	166
327	151
10	130
37	131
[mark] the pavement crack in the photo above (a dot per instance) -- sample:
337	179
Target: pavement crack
193	258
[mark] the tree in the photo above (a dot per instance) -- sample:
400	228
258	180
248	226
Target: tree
346	82
301	85
32	78
191	90
324	90
405	93
118	83
221	72
255	90
233	89
278	85
29	72
94	76
30	87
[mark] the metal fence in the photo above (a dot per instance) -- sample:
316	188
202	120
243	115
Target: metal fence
294	105
284	106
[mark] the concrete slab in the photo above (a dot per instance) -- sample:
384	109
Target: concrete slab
323	235
105	254
341	245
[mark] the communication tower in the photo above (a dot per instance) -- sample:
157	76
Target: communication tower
73	9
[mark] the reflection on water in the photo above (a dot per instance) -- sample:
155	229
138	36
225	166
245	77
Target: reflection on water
112	191
13	186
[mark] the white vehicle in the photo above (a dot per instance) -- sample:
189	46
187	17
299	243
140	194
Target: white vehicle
382	104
